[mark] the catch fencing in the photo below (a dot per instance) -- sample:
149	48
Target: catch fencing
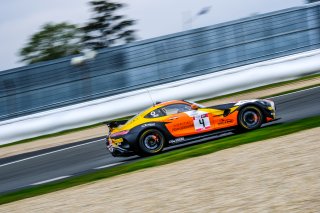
54	84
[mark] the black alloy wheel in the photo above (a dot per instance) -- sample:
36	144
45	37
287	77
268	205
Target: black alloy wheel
250	117
151	142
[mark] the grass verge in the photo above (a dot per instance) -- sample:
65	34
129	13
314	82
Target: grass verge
169	157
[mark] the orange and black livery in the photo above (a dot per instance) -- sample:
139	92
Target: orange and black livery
169	123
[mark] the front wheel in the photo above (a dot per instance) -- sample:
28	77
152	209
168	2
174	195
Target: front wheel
250	117
151	142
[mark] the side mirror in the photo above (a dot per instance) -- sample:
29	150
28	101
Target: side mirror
194	107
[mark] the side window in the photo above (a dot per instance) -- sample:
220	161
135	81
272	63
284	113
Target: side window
155	113
176	108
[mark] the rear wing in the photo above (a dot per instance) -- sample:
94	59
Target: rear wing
113	124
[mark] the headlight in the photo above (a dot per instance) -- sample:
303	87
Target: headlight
268	103
265	103
124	132
272	104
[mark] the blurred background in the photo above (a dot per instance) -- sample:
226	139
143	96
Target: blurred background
67	67
19	20
40	31
75	52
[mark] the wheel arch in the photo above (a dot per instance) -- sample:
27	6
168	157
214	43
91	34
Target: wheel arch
259	106
165	135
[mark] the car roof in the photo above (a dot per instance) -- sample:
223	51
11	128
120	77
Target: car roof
162	104
170	103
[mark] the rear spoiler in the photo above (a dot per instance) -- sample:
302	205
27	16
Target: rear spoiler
114	124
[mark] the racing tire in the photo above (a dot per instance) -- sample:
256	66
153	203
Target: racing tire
249	118
151	142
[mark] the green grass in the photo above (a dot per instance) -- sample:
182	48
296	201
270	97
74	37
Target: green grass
169	157
309	77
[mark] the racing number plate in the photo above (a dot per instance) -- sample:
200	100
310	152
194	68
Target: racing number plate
201	122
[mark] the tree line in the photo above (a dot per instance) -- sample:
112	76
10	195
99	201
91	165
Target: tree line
105	28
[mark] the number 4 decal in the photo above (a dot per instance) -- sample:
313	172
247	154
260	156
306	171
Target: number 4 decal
201	122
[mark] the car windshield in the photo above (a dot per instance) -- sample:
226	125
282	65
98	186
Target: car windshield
191	102
176	108
199	105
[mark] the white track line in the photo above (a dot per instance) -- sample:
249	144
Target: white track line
50	180
109	165
48	153
294	92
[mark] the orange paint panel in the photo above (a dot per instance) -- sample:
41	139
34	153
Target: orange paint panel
180	124
228	121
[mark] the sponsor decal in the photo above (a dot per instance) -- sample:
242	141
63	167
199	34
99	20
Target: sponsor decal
225	121
148	124
194	113
182	126
177	140
154	114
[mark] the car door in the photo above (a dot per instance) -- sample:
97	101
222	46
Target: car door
181	120
177	122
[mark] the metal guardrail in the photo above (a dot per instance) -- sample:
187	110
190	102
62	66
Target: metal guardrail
116	70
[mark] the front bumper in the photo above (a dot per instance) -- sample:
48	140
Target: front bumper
269	110
117	151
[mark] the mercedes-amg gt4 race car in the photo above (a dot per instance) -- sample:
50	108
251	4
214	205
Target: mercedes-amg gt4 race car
175	122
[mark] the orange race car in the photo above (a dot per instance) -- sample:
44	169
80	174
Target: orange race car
174	122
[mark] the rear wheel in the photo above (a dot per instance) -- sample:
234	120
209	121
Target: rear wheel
250	117
151	142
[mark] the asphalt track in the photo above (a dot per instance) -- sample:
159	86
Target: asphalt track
58	163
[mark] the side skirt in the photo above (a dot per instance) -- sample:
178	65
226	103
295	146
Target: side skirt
206	135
